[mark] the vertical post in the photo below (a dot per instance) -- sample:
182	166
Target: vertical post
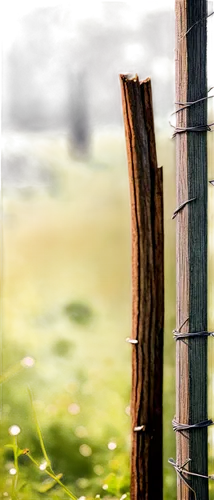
146	189
191	234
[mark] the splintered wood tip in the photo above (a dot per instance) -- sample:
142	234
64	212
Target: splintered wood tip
146	80
129	77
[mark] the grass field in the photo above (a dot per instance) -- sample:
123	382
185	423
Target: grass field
66	302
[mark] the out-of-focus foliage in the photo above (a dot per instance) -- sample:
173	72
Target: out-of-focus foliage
67	304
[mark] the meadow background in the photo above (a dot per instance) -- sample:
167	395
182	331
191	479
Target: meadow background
66	245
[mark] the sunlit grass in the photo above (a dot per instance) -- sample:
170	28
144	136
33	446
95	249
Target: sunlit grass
45	465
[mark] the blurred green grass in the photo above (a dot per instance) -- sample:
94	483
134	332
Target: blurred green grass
67	303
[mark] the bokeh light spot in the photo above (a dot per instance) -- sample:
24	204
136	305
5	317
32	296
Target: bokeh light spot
98	469
112	445
14	430
81	431
13	471
82	482
27	362
105	486
85	450
74	409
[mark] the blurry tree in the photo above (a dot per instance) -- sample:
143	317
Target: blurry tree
59	72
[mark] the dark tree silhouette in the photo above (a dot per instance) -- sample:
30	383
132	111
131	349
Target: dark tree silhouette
59	76
40	90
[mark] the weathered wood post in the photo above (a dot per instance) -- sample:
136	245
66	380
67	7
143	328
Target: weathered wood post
146	188
191	224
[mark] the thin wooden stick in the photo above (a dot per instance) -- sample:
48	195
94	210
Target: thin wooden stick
146	188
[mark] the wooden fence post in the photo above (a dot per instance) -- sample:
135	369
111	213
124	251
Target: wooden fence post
191	244
146	188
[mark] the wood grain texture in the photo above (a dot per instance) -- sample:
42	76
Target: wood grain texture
146	189
191	244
